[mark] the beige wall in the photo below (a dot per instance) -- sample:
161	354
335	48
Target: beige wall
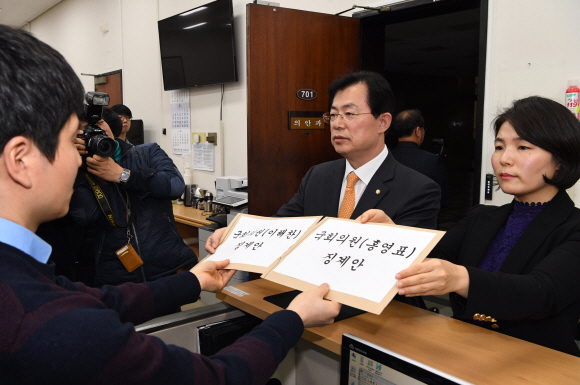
530	51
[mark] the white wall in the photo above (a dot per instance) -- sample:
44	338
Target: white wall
530	51
132	44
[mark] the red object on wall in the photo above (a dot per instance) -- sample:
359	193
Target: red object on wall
572	94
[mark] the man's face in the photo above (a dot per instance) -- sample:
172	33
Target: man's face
361	137
59	176
126	123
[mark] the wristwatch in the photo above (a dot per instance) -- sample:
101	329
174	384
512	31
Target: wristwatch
124	176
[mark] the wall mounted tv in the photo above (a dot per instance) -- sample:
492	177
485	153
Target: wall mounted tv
197	46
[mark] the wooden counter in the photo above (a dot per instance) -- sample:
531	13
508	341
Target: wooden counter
474	354
190	216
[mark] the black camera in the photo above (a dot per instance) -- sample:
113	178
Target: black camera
96	139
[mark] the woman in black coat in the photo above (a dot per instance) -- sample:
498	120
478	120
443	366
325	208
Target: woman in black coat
516	268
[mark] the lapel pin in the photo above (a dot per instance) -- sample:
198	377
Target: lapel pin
378	192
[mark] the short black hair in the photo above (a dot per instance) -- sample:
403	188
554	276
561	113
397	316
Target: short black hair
406	121
121	109
39	91
113	120
552	127
380	96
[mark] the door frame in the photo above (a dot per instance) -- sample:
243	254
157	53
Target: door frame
482	60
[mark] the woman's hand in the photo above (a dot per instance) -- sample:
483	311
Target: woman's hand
213	241
433	277
375	216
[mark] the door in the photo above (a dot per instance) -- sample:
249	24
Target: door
111	83
288	51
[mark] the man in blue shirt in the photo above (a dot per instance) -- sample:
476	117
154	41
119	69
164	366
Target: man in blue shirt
53	331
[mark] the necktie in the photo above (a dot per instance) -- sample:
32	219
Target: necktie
348	201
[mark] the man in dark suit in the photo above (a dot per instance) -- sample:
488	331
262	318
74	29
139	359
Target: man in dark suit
409	127
361	106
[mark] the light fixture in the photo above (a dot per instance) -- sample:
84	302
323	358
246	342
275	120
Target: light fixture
193	11
196	25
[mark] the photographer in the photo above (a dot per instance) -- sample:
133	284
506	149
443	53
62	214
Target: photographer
128	195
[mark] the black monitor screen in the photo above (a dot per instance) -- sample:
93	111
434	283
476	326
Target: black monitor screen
197	46
364	363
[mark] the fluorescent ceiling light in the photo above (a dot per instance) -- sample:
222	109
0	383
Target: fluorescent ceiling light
193	11
197	25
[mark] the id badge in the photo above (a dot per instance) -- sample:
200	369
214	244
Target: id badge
129	257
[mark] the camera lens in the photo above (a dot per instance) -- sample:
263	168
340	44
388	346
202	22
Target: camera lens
102	145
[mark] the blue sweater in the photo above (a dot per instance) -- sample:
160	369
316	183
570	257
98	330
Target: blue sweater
53	331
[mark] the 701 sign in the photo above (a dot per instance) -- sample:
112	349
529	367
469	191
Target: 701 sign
307	94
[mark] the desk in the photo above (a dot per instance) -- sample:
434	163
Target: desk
187	220
474	354
190	216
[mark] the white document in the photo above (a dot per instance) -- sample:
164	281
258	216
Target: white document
259	242
359	260
203	156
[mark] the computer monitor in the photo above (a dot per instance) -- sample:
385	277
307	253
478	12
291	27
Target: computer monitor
364	363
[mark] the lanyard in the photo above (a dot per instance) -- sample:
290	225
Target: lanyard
104	203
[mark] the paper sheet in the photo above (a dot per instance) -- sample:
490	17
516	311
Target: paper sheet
358	260
203	156
255	242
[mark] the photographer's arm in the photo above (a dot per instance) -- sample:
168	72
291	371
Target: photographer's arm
161	180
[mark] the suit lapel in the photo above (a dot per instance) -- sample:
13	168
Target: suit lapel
332	187
552	216
490	223
378	183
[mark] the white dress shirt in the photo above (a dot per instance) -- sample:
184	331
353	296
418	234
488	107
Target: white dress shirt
365	174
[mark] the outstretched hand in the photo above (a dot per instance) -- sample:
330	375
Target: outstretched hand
375	216
313	308
212	276
213	241
433	277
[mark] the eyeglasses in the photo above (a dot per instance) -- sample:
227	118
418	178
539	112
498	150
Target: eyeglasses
124	117
348	116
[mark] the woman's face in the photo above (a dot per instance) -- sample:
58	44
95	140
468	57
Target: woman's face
520	166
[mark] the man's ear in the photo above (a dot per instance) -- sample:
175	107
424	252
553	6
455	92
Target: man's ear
18	158
417	132
385	120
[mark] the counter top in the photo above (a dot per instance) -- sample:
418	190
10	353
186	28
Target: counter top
469	352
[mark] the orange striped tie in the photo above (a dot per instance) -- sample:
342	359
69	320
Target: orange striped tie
348	201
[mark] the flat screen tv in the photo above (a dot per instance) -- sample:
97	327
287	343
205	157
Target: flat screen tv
197	46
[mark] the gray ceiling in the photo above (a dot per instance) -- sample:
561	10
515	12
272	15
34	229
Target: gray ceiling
16	13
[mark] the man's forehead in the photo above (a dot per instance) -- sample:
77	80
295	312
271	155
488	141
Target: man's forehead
352	96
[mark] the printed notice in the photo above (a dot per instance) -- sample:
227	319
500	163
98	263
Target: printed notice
203	156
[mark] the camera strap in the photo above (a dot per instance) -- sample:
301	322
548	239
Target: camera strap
102	199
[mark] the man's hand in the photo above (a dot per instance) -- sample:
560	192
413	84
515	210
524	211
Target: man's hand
211	275
80	144
213	241
313	308
104	168
433	277
375	216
